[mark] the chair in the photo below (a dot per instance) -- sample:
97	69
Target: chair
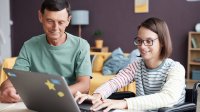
190	101
188	106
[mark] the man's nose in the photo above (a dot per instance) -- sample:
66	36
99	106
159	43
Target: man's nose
55	25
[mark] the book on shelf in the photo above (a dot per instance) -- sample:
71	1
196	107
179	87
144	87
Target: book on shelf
194	43
196	60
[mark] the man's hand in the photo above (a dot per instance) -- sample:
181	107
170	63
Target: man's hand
82	84
8	93
80	98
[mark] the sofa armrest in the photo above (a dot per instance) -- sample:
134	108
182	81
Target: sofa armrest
7	63
179	108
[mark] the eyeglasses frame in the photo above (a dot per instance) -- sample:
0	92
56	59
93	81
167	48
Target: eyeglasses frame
144	41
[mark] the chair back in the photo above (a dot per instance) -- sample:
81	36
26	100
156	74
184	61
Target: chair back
198	101
188	95
191	94
195	92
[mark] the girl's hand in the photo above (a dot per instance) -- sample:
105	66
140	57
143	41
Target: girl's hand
108	104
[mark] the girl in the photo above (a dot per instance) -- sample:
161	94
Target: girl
160	81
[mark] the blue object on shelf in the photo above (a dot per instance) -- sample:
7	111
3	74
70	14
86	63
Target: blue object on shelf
196	74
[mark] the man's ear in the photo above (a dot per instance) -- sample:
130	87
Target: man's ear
40	16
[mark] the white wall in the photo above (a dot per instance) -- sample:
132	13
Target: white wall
5	31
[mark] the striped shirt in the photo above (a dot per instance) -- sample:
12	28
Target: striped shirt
163	86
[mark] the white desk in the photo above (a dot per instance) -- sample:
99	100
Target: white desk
13	107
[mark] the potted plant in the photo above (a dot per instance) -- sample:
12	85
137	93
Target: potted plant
98	39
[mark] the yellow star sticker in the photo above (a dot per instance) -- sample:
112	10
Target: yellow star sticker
50	85
60	94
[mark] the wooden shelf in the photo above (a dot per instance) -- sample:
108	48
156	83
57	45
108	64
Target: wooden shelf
194	49
193	53
191	81
194	63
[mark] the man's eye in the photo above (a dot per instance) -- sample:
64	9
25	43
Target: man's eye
49	21
61	23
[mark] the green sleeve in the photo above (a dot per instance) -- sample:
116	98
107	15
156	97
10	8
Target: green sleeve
83	62
22	62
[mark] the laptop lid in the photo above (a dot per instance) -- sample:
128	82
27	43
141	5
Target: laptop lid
43	92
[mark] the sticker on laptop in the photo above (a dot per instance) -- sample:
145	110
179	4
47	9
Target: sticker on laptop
51	86
12	74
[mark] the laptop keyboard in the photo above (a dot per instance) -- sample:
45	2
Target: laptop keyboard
85	110
85	107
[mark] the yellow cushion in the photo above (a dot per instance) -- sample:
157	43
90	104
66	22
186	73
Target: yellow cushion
98	61
7	63
97	64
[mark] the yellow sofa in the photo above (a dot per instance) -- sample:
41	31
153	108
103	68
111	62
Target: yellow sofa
97	80
7	63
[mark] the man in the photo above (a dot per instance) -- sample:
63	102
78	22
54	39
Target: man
55	52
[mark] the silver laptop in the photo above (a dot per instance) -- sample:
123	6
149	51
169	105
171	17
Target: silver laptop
44	92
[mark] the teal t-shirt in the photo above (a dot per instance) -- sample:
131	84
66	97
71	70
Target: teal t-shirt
71	59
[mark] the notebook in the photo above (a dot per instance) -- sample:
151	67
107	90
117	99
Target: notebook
44	92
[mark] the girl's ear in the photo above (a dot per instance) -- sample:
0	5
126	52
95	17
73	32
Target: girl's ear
69	18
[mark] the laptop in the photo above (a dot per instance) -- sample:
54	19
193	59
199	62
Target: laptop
44	92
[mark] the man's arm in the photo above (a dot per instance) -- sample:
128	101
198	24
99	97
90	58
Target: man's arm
82	84
8	93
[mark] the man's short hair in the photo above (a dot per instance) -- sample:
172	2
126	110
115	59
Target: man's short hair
55	5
